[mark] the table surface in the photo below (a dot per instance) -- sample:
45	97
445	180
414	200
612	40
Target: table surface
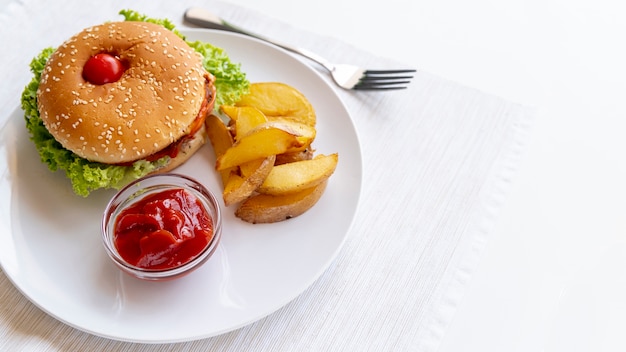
553	276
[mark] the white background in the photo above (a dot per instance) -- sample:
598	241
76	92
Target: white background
553	277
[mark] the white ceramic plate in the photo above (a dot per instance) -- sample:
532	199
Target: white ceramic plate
51	248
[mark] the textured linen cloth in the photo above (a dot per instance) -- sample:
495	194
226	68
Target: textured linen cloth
438	160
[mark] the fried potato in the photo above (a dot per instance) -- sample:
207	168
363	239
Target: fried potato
264	154
264	208
220	138
270	138
305	131
297	176
279	100
246	118
252	174
285	158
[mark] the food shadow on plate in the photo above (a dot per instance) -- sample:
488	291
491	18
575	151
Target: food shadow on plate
118	294
40	193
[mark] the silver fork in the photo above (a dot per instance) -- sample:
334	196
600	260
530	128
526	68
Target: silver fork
346	76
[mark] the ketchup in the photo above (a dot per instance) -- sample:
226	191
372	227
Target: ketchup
163	230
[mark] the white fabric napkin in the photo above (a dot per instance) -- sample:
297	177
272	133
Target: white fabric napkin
438	160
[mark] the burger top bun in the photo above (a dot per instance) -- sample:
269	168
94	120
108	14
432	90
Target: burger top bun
150	106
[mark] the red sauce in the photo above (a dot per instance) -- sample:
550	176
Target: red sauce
163	230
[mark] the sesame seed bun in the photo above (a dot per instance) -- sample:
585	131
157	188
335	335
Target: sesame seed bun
153	104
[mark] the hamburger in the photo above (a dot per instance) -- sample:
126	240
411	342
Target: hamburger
122	100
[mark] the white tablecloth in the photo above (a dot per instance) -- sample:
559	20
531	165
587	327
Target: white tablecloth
438	161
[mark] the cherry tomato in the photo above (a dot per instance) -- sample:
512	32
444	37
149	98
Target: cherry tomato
103	68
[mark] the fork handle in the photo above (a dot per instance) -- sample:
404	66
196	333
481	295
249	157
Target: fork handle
207	19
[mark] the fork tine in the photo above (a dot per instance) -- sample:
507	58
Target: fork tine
383	80
379	85
384	72
383	83
360	87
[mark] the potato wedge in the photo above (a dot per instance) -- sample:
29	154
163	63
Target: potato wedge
264	208
241	186
220	138
297	176
270	138
276	99
246	118
218	133
300	129
285	158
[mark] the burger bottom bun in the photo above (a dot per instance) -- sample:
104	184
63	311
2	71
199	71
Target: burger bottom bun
187	150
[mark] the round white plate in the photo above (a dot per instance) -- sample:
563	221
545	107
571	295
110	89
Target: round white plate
51	248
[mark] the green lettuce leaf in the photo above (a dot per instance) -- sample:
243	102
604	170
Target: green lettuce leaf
87	176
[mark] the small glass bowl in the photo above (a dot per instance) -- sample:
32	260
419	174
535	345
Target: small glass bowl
138	189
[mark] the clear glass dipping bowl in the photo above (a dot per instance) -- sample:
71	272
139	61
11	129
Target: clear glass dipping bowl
151	184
